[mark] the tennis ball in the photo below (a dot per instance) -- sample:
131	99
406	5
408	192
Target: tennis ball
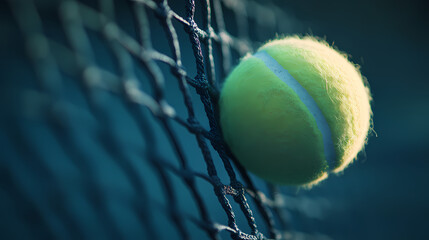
295	111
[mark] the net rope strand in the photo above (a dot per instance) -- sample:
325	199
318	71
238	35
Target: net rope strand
54	61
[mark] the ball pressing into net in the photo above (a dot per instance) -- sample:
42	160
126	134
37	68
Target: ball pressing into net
295	111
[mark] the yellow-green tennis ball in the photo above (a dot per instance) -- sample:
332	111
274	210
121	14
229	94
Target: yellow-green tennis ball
295	111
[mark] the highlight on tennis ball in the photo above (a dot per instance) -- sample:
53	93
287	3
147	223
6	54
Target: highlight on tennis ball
295	111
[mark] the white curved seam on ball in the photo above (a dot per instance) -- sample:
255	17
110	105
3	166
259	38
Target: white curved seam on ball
305	97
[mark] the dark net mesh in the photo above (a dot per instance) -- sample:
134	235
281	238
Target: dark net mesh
109	121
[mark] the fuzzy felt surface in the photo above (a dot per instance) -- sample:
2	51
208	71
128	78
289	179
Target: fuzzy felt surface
272	133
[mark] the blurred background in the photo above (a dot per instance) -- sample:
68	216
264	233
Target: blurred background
43	193
383	192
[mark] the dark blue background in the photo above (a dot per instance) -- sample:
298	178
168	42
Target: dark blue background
382	195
